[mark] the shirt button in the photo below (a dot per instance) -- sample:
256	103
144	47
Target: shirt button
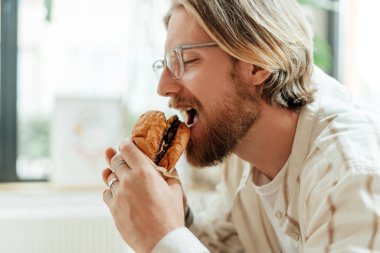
295	236
278	215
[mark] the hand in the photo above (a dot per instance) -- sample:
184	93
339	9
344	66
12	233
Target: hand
144	206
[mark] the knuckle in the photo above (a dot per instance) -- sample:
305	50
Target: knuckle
107	195
117	161
125	146
116	158
113	160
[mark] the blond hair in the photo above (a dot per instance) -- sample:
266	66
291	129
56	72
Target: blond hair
271	34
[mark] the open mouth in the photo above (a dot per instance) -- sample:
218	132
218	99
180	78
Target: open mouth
191	116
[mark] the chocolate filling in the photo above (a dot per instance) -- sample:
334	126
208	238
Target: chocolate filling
167	139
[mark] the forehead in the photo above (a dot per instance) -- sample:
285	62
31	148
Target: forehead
183	29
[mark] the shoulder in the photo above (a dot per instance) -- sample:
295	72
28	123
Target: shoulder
344	141
343	132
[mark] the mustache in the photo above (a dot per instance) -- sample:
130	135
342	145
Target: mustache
178	101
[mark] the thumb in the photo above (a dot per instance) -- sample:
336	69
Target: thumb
172	177
173	182
176	181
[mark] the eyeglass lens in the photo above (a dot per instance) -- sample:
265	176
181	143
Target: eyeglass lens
158	67
173	63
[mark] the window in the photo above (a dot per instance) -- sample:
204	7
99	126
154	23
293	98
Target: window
8	74
81	52
71	53
360	50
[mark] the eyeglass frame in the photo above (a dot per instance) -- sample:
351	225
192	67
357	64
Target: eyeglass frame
179	50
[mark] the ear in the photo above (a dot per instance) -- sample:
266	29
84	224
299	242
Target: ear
258	75
253	74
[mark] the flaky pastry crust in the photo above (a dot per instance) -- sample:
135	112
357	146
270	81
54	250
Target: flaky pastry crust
148	134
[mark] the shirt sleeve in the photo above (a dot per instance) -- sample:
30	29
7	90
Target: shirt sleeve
347	218
180	240
213	229
213	225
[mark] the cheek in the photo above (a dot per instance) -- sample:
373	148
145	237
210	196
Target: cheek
209	87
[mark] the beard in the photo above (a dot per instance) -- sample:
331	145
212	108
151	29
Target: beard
223	126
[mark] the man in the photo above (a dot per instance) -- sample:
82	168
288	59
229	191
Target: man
301	163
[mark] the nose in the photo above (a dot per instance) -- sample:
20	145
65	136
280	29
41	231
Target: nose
167	86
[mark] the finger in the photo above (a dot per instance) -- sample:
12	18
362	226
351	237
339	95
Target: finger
176	186
172	177
174	182
112	182
118	164
133	156
105	174
174	172
107	197
111	177
110	152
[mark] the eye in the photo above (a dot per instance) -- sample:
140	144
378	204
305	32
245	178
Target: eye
190	61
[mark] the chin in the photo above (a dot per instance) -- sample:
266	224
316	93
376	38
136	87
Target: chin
201	152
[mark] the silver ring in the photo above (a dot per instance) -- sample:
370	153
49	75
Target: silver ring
112	181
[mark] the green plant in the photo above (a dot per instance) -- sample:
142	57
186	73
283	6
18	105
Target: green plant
48	5
322	50
322	54
324	4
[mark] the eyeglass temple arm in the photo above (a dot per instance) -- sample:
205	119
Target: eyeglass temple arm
200	45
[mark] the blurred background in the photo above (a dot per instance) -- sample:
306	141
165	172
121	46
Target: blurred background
76	74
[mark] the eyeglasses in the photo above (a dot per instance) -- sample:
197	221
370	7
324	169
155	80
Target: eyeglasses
174	62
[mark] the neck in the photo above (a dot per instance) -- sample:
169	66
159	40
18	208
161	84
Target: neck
268	143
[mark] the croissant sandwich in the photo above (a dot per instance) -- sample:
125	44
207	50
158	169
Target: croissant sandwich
163	141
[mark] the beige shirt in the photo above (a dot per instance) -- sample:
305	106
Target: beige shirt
327	199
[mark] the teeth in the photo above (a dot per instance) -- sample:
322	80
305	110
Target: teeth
186	108
184	116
